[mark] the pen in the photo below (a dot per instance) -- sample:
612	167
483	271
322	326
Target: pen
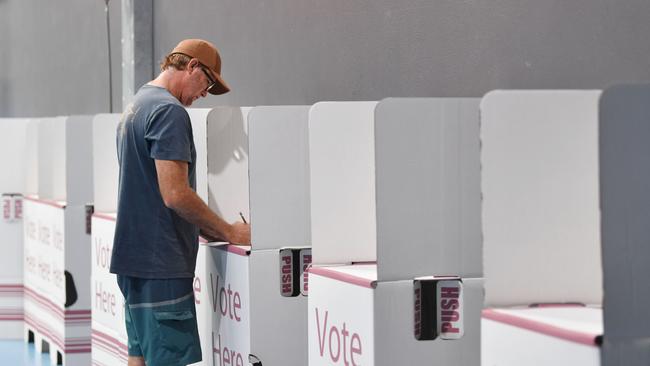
243	218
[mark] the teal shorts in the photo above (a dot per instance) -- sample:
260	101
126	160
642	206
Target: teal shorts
161	320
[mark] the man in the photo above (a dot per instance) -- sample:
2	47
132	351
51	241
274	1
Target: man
159	213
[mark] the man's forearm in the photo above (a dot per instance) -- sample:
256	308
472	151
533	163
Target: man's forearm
192	208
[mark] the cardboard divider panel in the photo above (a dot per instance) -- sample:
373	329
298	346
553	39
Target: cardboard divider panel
79	160
227	137
625	206
428	188
199	119
65	159
31	157
541	223
13	147
279	177
105	164
342	180
51	158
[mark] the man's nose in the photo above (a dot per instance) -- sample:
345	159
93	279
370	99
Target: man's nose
204	93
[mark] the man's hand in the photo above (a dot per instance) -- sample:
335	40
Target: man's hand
239	234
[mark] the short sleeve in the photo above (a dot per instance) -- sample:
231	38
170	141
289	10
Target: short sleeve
169	134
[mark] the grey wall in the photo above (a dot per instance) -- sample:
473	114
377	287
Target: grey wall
303	51
53	57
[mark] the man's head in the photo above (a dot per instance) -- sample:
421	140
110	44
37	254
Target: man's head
195	67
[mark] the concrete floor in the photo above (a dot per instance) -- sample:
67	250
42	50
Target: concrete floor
17	353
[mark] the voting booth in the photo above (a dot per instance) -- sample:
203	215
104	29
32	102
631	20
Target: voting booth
109	338
541	228
13	164
57	242
624	128
254	297
396	277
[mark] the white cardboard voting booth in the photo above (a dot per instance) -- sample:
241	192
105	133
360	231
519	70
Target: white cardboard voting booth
625	202
396	277
57	246
541	228
13	164
109	340
257	165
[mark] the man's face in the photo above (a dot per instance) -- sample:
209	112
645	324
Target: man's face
196	82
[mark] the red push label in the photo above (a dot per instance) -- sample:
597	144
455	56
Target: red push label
7	204
437	308
286	273
18	208
449	294
305	262
12	207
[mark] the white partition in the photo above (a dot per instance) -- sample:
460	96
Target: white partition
343	222
65	160
105	165
199	119
625	203
254	318
13	164
31	157
541	228
57	245
227	138
539	157
279	177
396	182
428	188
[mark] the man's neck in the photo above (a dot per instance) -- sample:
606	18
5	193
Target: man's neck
167	79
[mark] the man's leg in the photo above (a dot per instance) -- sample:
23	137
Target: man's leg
136	361
133	343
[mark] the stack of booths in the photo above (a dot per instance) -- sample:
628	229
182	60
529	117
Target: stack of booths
254	297
396	277
393	195
57	241
13	166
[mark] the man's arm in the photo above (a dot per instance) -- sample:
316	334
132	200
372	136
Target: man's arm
179	196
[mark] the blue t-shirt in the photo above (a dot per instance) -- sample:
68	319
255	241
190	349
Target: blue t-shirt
151	240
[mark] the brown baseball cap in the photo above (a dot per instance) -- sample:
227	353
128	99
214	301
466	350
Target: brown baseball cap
208	55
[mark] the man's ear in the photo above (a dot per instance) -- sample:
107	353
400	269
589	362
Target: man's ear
192	65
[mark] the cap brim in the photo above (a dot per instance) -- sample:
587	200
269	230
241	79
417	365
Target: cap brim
220	87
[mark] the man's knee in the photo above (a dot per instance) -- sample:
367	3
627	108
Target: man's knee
136	361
